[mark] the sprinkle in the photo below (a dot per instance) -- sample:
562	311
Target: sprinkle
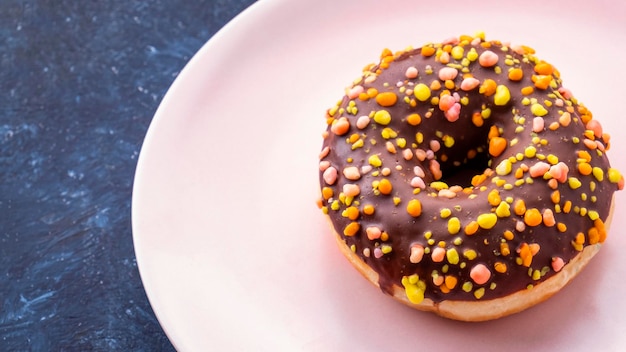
330	175
497	145
502	96
539	169
413	287
519	208
382	117
373	233
352	173
362	122
500	267
598	173
488	59
548	217
487	221
454	225
532	217
411	72
504	167
421	92
375	161
574	183
452	256
417	253
557	264
414	208
538	124
480	274
503	210
340	126
438	255
414	119
471	228
538	110
448	73
351	229
516	74
384	186
469	83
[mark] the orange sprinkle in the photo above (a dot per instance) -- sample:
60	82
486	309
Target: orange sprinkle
494	198
428	51
478	179
516	74
372	92
519	207
414	208
488	88
327	193
532	217
580	238
500	267
385	53
351	229
555	197
352	213
525	254
528	90
583	154
593	235
368	209
471	228
497	145
544	68
386	99
584	168
477	119
561	227
451	281
384	186
567	207
542	82
504	249
508	235
493	132
414	119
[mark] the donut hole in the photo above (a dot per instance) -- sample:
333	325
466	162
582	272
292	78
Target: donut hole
461	173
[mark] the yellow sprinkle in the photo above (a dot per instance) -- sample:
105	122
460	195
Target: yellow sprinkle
445	213
452	256
503	210
504	168
574	183
552	159
479	293
382	117
487	221
439	185
375	161
454	225
470	254
414	288
614	175
421	92
538	110
598	173
502	95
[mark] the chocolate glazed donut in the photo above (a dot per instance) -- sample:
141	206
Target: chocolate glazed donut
463	178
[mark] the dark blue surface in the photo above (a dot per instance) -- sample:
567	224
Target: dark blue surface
80	83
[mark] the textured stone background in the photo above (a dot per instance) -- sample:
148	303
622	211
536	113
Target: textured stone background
80	83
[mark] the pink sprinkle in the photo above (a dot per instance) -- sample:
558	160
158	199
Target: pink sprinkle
362	122
488	59
324	152
520	226
378	253
539	169
417	253
418	182
448	73
351	190
407	154
600	146
446	102
365	169
469	83
446	193
324	165
450	40
480	274
435	169
557	264
438	254
538	124
559	172
453	113
330	175
373	233
430	155
596	127
420	154
548	218
418	171
355	91
434	145
411	72
566	93
352	173
444	58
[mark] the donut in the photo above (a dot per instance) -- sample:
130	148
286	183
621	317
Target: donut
462	178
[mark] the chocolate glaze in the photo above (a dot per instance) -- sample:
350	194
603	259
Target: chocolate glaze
404	230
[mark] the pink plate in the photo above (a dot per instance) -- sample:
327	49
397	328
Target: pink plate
234	253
